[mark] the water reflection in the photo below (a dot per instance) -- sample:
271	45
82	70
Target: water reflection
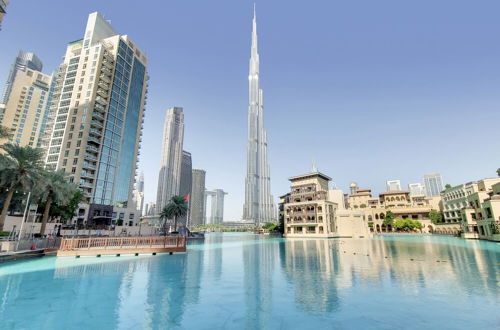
251	281
318	269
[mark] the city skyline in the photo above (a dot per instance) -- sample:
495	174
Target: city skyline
450	74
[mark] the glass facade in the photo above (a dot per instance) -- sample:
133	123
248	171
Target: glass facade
126	165
120	134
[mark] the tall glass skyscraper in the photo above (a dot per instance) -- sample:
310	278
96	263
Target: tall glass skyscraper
433	184
96	121
169	178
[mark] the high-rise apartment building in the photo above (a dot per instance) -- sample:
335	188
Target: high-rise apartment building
23	62
169	178
393	185
197	200
433	184
96	119
416	189
27	97
259	206
3	10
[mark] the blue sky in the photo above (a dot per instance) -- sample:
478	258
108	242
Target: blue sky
369	90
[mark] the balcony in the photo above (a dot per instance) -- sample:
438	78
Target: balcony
90	157
86	185
98	116
99	107
105	78
96	123
102	92
91	148
108	64
87	175
106	70
101	100
95	132
89	166
103	85
94	139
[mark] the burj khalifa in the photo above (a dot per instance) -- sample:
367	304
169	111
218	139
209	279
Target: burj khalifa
259	205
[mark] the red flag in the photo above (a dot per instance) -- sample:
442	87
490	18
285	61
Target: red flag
187	198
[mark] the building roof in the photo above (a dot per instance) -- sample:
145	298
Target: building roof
394	192
310	175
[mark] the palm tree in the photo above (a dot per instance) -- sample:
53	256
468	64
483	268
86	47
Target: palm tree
20	168
4	132
498	172
53	189
177	207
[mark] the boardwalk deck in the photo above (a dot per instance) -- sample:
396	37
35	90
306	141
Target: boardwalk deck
121	245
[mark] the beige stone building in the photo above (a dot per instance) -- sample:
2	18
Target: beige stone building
311	209
489	222
96	121
462	205
399	202
25	112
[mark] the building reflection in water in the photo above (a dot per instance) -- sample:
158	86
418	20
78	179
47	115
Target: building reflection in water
319	270
259	264
251	281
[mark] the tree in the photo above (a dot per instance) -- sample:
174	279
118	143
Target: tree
447	186
4	132
407	224
435	216
389	218
68	210
20	168
498	172
417	225
177	207
53	189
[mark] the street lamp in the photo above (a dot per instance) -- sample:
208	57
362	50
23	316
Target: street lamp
24	220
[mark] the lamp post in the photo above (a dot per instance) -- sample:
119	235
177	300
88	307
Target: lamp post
24	220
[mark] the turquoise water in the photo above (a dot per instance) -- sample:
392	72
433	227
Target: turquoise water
240	281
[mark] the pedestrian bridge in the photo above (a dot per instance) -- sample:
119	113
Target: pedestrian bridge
97	246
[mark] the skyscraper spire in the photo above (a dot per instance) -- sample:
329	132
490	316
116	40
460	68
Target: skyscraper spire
259	205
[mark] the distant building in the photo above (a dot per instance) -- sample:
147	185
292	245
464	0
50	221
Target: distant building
466	206
393	185
433	184
401	203
23	62
169	179
150	209
27	104
197	200
310	210
217	206
353	188
185	184
186	180
416	189
139	194
3	10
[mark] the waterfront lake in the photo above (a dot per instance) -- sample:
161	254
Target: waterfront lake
246	281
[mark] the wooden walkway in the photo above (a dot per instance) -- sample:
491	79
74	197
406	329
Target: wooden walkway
98	246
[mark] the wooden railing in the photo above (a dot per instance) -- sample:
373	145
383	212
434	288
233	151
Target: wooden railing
125	243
